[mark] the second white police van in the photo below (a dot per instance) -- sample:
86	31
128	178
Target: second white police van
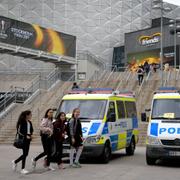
163	134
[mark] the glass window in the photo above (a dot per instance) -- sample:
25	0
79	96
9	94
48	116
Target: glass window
111	110
164	106
120	108
90	109
130	109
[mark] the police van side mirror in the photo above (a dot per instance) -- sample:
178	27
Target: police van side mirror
111	117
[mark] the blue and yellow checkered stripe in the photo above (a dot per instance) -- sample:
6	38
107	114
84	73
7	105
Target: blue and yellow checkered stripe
121	140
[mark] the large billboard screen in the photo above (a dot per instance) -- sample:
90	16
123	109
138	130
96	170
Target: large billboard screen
36	37
152	57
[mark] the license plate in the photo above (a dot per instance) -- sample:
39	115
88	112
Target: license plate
174	153
66	151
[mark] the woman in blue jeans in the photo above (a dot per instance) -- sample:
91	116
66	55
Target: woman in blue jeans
76	138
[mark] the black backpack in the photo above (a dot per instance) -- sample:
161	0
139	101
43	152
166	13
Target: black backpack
139	71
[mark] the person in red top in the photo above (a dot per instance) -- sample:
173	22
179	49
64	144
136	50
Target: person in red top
59	134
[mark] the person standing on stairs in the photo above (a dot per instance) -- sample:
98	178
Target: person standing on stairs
140	73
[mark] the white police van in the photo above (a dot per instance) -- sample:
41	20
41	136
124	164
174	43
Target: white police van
163	134
109	121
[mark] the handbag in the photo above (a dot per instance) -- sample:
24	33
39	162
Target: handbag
18	142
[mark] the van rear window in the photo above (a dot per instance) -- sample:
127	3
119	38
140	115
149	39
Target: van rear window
130	109
120	108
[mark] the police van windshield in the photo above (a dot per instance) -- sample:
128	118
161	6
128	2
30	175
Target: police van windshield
89	109
166	109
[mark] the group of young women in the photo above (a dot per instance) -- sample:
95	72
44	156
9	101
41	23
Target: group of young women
52	133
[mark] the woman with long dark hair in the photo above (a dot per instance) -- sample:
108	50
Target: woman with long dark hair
46	132
76	138
25	130
59	134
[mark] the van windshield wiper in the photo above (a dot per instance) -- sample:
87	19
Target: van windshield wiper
160	118
84	118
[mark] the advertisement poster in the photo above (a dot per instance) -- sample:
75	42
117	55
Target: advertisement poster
36	37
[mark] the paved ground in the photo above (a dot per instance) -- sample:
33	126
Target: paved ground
121	167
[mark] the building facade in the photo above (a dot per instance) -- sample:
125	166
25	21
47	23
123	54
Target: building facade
144	45
99	25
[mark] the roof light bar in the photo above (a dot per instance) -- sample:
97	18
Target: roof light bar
101	91
167	90
91	91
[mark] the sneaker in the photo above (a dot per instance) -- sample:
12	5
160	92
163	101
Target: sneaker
50	168
14	165
33	163
24	171
77	164
61	166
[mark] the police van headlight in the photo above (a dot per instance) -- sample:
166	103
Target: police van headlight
92	139
153	140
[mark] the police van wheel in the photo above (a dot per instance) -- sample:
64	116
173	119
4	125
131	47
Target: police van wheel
106	153
150	160
131	148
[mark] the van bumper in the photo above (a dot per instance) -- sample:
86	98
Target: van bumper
93	150
162	152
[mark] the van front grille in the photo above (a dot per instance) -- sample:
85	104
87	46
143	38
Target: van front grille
175	142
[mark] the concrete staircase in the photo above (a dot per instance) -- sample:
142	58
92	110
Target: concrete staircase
38	106
116	80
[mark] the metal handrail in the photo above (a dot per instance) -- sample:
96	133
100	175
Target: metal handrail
114	69
167	78
144	80
102	77
88	54
148	76
177	77
169	75
123	77
129	74
26	91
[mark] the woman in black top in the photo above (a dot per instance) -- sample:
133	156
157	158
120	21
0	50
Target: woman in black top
76	138
25	130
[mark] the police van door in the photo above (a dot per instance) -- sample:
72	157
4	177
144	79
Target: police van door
122	124
112	125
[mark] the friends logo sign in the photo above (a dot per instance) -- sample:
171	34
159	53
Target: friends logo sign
150	40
